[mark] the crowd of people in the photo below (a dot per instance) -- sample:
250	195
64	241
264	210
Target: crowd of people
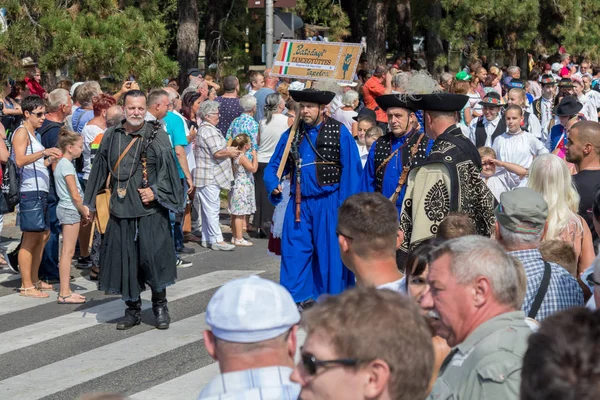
465	210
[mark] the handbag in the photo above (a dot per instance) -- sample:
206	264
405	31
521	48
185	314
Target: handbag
187	219
103	197
34	219
11	187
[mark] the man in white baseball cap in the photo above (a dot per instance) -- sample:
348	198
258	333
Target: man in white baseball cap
253	324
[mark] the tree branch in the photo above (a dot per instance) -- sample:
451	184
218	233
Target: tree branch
30	17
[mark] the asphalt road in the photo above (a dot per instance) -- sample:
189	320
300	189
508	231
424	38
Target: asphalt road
54	351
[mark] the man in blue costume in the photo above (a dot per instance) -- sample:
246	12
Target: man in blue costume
392	155
325	169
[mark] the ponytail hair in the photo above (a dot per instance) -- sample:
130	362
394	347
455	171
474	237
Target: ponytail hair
240	141
67	138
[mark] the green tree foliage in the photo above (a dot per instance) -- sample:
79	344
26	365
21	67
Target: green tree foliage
577	27
90	39
325	13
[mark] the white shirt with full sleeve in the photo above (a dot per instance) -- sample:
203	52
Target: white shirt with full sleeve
519	148
490	127
535	128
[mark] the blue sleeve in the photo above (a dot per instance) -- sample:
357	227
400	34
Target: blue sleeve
351	165
367	183
429	146
270	178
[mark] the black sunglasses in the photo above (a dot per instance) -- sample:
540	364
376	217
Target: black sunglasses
310	363
344	235
38	114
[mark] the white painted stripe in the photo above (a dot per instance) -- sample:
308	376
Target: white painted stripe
15	302
76	321
9	276
186	386
92	364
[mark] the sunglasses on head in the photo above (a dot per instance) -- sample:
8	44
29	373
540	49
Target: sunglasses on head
310	363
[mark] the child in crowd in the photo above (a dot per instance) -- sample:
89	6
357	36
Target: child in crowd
530	122
70	210
364	124
499	176
241	196
516	145
372	135
561	253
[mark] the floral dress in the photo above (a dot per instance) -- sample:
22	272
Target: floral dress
241	196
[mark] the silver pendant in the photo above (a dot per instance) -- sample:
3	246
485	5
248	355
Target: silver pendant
121	192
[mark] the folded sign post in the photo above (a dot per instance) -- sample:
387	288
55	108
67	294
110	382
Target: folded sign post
304	59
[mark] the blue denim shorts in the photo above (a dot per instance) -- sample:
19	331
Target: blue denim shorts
67	216
29	202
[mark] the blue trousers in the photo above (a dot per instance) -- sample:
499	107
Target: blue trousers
49	264
310	255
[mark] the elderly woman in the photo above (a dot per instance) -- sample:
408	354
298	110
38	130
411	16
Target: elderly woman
245	123
346	114
213	172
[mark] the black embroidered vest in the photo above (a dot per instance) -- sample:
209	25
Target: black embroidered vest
383	149
481	136
525	125
329	168
537	108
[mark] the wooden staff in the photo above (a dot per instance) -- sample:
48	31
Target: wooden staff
288	145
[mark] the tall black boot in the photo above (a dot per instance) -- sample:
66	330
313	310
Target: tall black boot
160	309
133	315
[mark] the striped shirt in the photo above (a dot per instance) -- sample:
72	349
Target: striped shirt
563	291
269	383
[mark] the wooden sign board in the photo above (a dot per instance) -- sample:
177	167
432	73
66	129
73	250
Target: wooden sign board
304	59
276	4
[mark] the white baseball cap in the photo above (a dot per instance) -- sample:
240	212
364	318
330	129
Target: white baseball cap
74	86
251	310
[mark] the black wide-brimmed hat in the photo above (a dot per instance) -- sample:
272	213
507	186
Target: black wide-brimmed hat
365	113
439	101
568	106
312	96
492	99
394	100
566	83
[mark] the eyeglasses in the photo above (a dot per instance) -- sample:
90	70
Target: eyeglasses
310	363
344	235
38	114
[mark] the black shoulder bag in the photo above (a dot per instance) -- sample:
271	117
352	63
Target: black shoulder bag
542	290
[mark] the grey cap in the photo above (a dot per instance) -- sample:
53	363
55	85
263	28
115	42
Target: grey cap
522	210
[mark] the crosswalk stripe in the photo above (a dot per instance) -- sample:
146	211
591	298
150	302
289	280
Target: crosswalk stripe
15	302
95	363
9	276
186	386
79	320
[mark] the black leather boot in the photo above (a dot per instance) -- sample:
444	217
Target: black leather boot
133	315
160	309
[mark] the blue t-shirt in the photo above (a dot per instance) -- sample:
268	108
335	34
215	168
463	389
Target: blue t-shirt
81	117
63	169
261	97
175	128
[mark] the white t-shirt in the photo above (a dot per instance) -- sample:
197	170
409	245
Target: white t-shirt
345	117
269	135
518	149
89	133
502	181
29	172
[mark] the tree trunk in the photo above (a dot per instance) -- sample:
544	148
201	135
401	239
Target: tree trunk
212	32
433	41
351	8
376	32
187	38
405	33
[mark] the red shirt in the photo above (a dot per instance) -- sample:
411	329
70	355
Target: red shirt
34	87
372	89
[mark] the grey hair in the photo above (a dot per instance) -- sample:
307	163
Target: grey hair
208	107
272	101
349	98
248	102
446	76
474	256
57	98
513	240
328	85
513	69
197	85
564	56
